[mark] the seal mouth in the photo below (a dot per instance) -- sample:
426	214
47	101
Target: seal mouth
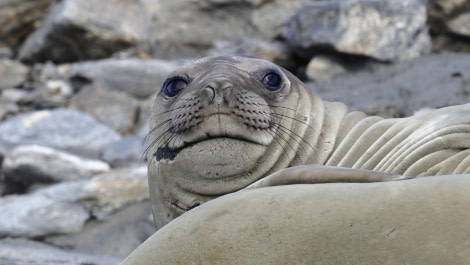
170	153
165	152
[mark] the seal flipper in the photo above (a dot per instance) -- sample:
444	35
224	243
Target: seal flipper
318	174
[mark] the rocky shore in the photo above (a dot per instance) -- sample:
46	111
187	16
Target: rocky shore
78	79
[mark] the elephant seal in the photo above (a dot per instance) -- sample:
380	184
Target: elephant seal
420	221
220	124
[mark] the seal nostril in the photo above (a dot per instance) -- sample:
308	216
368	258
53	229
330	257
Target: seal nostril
209	93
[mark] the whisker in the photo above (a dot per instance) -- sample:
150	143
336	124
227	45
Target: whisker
279	134
297	120
285	116
274	133
147	137
154	142
291	132
166	111
273	106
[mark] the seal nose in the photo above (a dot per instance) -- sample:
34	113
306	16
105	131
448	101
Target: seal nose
217	89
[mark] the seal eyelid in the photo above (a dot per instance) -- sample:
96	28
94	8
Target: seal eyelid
272	80
174	85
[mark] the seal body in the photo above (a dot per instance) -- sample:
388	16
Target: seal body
222	124
420	221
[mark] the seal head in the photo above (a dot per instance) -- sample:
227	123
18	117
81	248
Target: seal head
220	124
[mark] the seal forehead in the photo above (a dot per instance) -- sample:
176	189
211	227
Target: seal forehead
213	64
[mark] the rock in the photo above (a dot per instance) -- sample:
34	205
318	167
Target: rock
5	53
435	81
118	236
18	18
146	107
125	152
86	29
273	51
269	17
324	68
34	163
136	77
63	129
13	95
446	20
63	208
384	30
36	215
22	251
201	23
12	73
116	109
330	65
105	193
7	187
441	11
460	25
50	94
7	108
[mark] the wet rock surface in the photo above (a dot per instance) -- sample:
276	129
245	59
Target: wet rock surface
78	79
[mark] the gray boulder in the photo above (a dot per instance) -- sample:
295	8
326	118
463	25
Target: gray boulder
117	236
126	152
381	29
49	94
116	109
69	130
22	252
433	81
274	51
136	77
37	215
65	207
33	163
86	29
201	23
12	73
7	106
105	193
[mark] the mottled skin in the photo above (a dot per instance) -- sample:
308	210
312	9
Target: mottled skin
223	123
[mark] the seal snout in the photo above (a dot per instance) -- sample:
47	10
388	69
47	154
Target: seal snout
217	90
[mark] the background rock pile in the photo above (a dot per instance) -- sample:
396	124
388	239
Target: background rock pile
78	78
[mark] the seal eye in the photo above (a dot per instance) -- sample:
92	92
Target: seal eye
272	81
173	86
